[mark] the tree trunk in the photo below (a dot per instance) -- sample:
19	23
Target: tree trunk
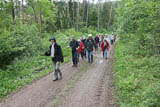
110	16
84	8
73	14
87	14
13	13
78	16
98	14
22	12
68	15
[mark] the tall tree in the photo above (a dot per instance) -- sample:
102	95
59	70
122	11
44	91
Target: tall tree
22	11
110	16
13	12
73	13
98	14
87	13
78	16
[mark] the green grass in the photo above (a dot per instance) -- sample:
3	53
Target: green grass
137	77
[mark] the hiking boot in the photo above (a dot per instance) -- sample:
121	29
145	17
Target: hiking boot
75	65
55	79
60	78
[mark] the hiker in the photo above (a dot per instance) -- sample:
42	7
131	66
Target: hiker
81	48
108	39
96	39
74	45
57	56
90	44
84	43
105	48
112	39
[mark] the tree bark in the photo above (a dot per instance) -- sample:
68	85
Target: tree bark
98	14
87	14
22	12
110	16
78	16
13	13
73	14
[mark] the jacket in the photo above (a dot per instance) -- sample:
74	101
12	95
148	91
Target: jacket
81	47
103	47
74	44
58	55
90	44
96	39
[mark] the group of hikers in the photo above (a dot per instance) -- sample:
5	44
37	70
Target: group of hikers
79	47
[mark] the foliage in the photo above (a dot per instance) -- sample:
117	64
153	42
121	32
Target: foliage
137	77
141	17
137	54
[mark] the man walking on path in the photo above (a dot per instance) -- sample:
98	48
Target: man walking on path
57	56
74	45
112	38
105	48
90	44
96	41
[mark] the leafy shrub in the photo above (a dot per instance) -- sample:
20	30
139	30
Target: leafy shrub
137	77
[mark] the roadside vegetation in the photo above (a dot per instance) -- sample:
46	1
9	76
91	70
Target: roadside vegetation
137	53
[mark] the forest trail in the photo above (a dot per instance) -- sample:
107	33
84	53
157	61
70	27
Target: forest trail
94	89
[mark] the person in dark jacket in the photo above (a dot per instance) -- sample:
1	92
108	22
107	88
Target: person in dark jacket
55	52
90	44
96	39
74	45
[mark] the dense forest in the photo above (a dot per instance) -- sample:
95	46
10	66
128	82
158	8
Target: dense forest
26	26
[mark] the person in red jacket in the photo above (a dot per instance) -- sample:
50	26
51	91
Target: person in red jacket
81	48
105	48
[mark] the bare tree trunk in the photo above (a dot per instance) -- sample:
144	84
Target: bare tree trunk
87	14
73	14
98	14
22	12
13	13
110	16
68	14
83	19
78	16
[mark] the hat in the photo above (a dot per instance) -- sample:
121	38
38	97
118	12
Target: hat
105	39
73	36
90	35
52	38
84	37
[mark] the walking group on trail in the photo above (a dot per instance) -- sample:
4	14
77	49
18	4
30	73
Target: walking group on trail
81	47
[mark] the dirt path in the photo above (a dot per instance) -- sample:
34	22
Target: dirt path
94	89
